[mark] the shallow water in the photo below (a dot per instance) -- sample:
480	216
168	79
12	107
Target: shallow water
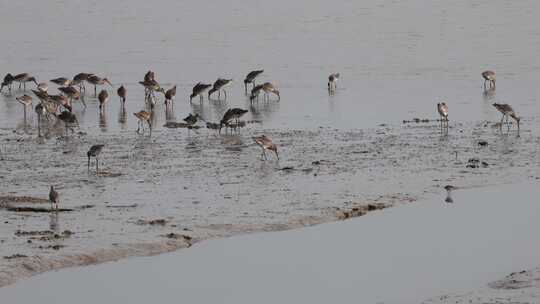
397	59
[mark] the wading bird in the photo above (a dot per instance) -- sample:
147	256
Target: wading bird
198	90
69	119
94	151
54	198
270	88
43	87
79	80
507	111
143	116
266	144
332	81
7	82
72	93
449	189
41	112
103	97
61	81
442	108
489	76
26	101
23	78
122	93
219	86
95	80
255	92
250	78
230	115
169	95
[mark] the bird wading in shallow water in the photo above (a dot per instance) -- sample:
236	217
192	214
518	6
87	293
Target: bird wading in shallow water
266	144
94	151
198	90
507	111
442	108
489	76
143	117
219	85
332	81
250	78
54	198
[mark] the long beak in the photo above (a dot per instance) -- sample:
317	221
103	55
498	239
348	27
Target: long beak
107	81
277	155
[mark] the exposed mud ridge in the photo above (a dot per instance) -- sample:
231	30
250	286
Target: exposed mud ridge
207	185
27	266
521	287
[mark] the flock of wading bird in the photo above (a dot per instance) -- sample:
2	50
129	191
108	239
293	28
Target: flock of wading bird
59	106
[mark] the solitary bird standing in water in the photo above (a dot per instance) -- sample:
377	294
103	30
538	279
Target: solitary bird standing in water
449	189
442	108
489	76
122	93
219	86
266	144
94	151
143	116
103	98
198	90
332	81
507	111
54	198
250	78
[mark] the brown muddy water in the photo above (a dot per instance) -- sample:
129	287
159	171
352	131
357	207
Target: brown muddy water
348	149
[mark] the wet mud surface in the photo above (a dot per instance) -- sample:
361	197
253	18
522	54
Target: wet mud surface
522	287
162	192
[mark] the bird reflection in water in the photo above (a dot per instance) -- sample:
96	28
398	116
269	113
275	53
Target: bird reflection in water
103	121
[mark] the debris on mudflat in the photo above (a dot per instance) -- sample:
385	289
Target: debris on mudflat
174	125
343	214
177	236
286	168
482	143
122	206
54	247
420	120
474	163
154	222
15	256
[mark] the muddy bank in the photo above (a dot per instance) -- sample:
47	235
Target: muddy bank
521	287
205	185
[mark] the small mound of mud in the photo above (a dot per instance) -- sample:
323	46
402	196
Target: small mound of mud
175	125
154	222
109	174
357	211
15	256
37	209
420	120
517	280
9	199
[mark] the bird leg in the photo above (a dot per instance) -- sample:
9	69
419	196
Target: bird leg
225	92
88	163
97	166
